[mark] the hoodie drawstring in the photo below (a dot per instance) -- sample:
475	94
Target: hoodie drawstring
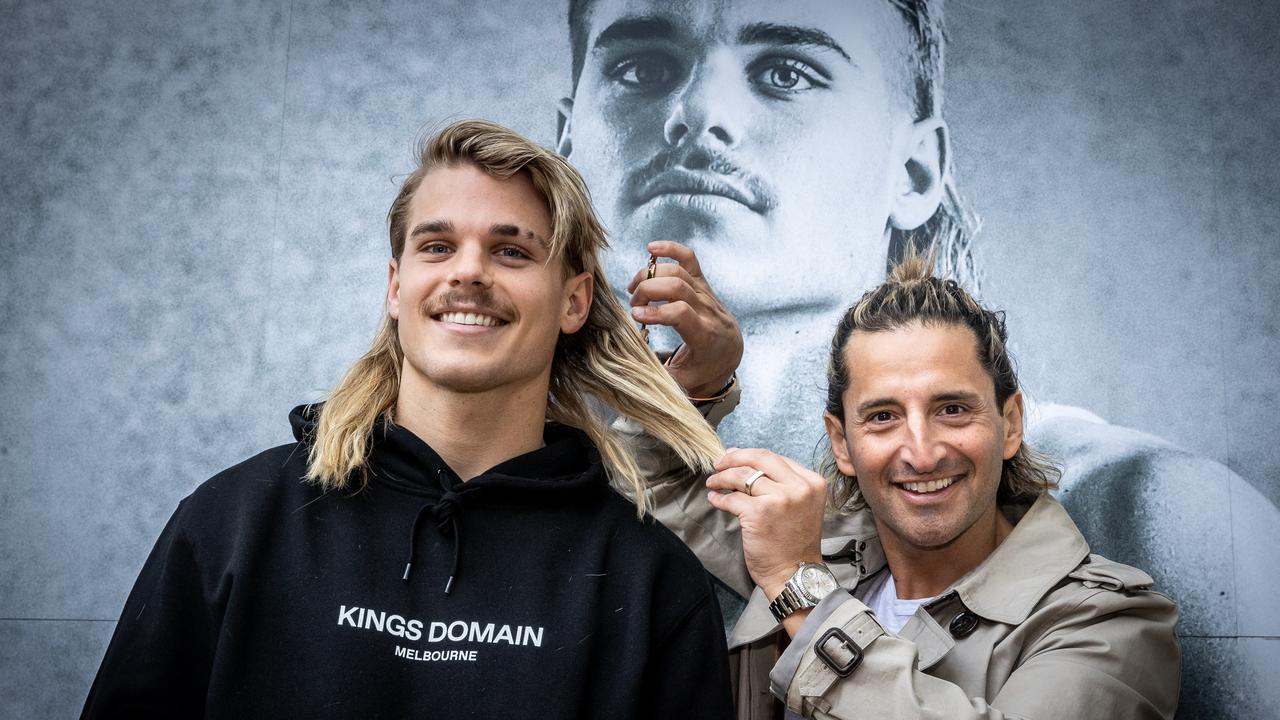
444	512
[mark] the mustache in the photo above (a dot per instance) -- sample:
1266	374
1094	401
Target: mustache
480	300
700	171
948	467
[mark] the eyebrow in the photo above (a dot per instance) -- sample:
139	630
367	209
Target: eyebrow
967	397
509	230
432	226
773	34
647	27
428	227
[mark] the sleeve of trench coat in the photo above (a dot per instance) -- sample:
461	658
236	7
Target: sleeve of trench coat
1106	654
678	499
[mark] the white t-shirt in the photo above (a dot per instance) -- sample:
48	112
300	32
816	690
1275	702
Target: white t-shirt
882	598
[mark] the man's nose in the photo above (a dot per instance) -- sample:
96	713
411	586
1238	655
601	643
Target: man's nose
708	109
922	450
470	266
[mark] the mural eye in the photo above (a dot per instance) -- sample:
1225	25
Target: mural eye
786	76
644	72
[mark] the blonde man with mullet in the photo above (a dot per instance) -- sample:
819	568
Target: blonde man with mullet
609	361
443	539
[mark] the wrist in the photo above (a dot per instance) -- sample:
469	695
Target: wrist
714	391
806	587
792	623
775	581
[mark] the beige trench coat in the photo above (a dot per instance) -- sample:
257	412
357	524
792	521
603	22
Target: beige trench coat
1041	629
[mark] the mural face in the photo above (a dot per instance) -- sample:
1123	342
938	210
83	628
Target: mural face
768	137
756	132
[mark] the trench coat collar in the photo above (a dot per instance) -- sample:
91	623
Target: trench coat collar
1044	547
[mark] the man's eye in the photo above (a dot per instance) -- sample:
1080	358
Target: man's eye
435	248
512	252
952	409
786	75
883	416
649	71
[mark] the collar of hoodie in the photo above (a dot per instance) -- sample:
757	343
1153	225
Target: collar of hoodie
568	464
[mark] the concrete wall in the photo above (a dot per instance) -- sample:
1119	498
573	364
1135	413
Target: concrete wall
193	199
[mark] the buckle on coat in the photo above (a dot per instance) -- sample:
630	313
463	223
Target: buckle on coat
843	669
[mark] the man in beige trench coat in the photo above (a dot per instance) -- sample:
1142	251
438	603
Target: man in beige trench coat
950	584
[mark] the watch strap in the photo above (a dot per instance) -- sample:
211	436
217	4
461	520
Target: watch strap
792	598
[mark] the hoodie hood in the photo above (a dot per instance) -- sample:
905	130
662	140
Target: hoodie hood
567	465
567	462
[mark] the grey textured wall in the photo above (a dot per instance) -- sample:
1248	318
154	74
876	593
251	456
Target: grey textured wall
193	197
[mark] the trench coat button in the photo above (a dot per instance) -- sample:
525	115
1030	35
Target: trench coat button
963	624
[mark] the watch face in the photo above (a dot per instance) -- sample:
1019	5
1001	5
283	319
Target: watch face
817	582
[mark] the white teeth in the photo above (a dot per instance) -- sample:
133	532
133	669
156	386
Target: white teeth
469	319
928	486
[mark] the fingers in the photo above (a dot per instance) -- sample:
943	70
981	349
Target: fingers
685	267
733	502
773	464
783	474
735	480
680	253
677	315
795	466
663	289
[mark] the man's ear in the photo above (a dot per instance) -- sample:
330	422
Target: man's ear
393	290
1012	424
919	185
578	292
564	116
839	444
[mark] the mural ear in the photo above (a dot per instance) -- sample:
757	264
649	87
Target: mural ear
564	117
922	175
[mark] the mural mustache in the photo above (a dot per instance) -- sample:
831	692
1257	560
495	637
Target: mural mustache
697	170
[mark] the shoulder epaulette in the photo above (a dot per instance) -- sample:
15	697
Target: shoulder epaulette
1098	571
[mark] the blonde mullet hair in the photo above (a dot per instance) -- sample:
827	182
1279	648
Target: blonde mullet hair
607	359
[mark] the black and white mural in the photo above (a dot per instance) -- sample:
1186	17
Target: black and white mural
194	204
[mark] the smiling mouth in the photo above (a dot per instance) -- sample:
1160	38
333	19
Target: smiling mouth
466	318
925	487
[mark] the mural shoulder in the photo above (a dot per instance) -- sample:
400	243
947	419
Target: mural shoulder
1093	453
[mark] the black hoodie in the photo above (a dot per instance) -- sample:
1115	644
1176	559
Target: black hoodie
266	597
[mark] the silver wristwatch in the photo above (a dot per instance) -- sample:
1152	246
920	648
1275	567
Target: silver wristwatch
805	589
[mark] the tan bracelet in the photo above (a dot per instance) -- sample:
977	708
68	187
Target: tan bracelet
724	391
